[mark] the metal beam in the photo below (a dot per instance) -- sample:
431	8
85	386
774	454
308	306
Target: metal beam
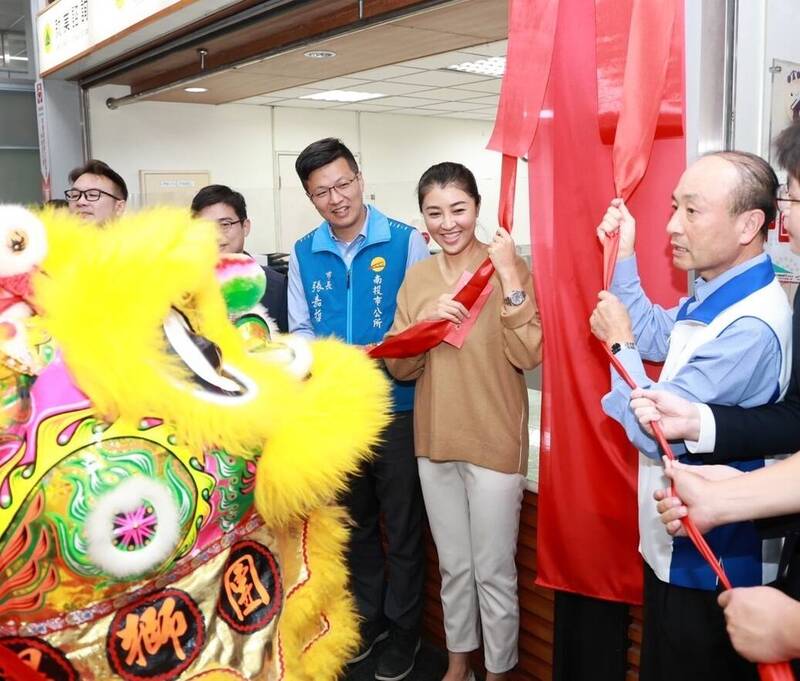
717	75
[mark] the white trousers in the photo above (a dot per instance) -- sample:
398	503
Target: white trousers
474	517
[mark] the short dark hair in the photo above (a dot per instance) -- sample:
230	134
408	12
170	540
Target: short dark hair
757	188
95	167
219	193
443	174
321	153
787	146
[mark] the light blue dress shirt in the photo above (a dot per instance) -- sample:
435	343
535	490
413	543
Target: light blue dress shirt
740	367
299	316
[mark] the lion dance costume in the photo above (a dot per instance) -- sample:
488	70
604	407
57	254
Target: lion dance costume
167	478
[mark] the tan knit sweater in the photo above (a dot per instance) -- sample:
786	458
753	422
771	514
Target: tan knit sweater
471	403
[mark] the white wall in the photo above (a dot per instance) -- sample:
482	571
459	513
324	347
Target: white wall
231	142
767	30
396	150
239	145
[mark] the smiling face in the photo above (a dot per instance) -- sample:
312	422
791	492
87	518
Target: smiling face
704	234
450	215
337	192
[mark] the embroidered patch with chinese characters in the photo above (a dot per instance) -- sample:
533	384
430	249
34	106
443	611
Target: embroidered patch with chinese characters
250	594
156	636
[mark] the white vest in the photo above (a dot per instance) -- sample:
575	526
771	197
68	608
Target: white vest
770	305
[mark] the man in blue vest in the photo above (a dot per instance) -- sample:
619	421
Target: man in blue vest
343	281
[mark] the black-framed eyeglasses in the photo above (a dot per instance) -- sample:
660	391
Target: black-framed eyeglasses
342	187
783	199
226	225
89	194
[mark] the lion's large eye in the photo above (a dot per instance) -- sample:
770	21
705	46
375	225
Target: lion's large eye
17	240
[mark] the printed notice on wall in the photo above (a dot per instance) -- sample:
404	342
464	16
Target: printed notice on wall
784	108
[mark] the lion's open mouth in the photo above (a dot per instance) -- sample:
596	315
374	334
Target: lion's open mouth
204	360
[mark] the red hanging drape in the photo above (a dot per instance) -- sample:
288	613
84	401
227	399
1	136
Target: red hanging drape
587	527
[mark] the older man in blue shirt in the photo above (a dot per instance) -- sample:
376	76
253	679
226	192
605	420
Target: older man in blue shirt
729	344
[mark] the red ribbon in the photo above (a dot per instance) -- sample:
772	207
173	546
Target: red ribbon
423	336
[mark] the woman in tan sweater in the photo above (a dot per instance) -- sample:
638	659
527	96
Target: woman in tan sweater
471	417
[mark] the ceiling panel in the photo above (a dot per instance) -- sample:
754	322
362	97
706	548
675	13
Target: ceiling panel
490	86
227	86
483	19
488	111
389	88
405	60
411	100
385	72
293	92
442	61
468	115
451	106
488	100
364	106
495	49
386	44
416	112
260	101
340	83
402	102
439	79
306	104
445	93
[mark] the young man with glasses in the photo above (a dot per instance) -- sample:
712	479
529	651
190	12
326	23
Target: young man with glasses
98	194
228	209
343	281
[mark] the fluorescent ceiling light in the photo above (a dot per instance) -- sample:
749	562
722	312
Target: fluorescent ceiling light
491	66
319	54
343	96
196	89
17	59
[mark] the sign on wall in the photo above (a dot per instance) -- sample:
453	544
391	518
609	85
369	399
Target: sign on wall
784	108
167	188
68	28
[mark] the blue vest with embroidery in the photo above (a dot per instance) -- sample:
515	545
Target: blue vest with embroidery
357	304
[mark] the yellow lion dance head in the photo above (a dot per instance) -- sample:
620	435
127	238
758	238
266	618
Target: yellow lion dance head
167	495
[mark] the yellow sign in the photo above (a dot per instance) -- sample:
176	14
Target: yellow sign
378	264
